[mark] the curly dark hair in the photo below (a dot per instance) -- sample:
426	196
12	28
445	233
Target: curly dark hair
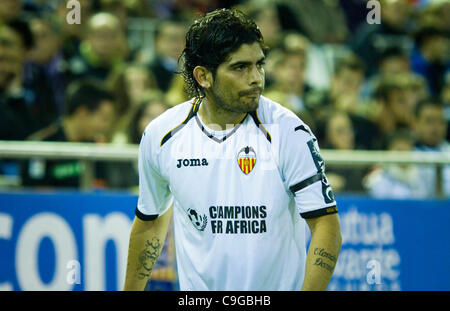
212	38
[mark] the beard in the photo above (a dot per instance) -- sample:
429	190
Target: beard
242	103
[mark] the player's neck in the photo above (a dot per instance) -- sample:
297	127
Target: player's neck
215	117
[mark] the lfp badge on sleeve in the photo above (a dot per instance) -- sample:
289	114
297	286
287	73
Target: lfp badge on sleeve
246	159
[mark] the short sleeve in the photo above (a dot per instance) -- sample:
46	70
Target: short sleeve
303	170
154	194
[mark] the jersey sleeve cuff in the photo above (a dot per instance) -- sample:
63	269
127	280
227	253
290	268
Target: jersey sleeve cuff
144	217
320	212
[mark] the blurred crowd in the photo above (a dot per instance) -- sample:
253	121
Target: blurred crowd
356	83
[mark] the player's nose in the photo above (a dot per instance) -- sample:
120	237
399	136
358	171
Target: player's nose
256	77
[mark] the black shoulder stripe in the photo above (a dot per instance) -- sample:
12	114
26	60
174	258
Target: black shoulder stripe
320	212
303	128
305	183
260	126
192	113
144	217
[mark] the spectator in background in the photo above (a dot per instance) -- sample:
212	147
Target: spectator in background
16	121
370	40
44	72
265	15
346	84
177	91
332	27
151	105
355	12
395	181
339	135
129	82
397	97
392	61
445	98
89	117
275	19
430	130
102	49
72	34
140	8
10	10
344	94
169	43
431	57
38	6
345	88
287	71
435	13
430	126
118	8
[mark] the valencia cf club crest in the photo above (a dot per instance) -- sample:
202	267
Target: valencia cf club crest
246	159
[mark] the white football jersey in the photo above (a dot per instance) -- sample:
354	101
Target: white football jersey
238	195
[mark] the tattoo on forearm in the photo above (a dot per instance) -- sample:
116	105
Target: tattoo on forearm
320	260
321	252
147	258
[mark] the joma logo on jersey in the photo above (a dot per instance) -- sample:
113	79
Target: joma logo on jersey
192	162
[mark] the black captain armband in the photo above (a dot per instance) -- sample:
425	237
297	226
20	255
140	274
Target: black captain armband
144	217
320	212
306	182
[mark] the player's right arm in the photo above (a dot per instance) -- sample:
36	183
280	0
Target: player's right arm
146	242
153	213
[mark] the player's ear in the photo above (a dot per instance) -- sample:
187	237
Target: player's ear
203	76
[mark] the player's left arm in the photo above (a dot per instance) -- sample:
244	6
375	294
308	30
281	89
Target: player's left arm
323	251
303	170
